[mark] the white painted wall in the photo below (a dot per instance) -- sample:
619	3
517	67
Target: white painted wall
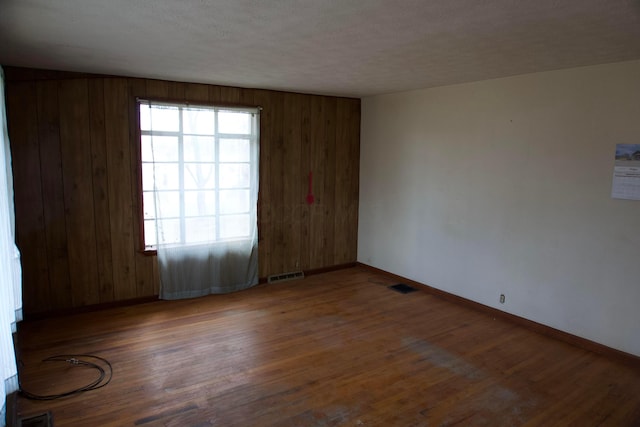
504	186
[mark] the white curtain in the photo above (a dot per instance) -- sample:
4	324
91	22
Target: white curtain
193	271
10	271
203	166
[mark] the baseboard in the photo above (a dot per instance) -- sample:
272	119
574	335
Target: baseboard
88	308
330	268
575	340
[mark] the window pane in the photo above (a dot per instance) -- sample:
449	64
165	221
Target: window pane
169	231
234	201
234	175
234	122
234	150
165	174
149	205
232	226
159	148
162	118
194	181
199	203
200	230
199	176
198	121
168	204
150	233
199	148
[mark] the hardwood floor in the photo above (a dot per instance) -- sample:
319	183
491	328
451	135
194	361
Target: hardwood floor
330	350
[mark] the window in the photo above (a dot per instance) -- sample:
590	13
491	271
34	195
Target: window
199	173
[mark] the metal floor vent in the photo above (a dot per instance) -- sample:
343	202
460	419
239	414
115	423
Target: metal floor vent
285	276
42	420
402	288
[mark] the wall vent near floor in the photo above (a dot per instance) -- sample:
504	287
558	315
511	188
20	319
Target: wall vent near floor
285	276
42	420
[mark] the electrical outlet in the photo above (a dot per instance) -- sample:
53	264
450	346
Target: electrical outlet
501	298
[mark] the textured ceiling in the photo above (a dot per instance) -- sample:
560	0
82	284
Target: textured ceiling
336	47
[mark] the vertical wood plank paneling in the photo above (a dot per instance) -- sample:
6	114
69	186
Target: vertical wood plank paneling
214	94
229	95
344	180
101	190
276	185
145	281
276	178
53	194
137	89
265	213
292	203
93	183
177	91
353	123
197	92
120	206
31	239
306	155
157	89
78	190
247	97
328	221
318	165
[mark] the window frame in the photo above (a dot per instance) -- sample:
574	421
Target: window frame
138	101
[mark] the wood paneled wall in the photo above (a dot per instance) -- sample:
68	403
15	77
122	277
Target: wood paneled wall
73	141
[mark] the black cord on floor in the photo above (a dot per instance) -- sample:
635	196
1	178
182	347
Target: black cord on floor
103	379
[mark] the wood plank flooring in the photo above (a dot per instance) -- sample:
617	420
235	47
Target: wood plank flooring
336	349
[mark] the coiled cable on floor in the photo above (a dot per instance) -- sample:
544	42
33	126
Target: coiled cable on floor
104	377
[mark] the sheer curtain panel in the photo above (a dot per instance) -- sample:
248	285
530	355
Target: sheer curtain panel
200	193
10	272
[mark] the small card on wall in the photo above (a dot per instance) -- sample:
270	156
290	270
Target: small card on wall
626	172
